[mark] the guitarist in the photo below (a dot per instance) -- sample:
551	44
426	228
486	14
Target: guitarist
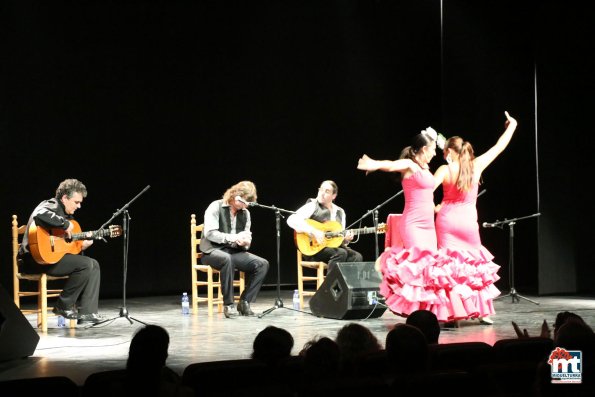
322	209
84	271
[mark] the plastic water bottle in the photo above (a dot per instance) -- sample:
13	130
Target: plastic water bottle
185	304
61	322
296	299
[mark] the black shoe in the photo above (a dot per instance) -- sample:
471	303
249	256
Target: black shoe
89	318
452	324
230	311
244	308
69	314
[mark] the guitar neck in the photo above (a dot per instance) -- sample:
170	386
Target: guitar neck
90	235
82	236
362	230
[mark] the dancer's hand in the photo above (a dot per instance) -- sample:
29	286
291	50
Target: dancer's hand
509	120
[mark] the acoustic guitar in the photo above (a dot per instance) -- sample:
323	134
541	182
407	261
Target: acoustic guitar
333	233
48	246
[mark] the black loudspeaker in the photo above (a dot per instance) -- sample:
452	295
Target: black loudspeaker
18	339
349	291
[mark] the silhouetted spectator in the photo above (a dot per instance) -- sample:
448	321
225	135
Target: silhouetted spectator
322	359
355	341
427	323
566	316
146	371
407	349
272	345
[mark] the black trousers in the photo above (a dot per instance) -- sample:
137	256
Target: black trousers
333	255
83	282
226	260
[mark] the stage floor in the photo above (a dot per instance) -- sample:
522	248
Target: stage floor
76	353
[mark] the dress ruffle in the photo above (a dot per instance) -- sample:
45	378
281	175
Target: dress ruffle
475	275
416	279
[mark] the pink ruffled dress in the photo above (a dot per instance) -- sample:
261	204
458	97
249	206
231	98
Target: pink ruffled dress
416	275
471	263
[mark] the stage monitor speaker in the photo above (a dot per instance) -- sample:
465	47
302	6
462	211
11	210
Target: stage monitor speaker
349	291
18	339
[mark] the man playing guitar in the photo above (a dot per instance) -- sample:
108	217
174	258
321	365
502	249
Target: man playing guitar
322	209
83	271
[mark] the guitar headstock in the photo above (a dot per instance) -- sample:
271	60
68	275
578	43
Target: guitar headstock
381	228
115	230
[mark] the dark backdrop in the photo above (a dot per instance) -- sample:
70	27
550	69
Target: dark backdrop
190	97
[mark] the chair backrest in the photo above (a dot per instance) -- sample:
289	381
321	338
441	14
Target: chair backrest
47	385
437	383
465	356
534	349
17	236
220	378
102	382
195	233
393	237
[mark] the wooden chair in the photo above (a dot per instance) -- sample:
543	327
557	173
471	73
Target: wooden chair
212	281
319	267
41	280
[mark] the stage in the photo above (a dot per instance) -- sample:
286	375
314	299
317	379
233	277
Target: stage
76	353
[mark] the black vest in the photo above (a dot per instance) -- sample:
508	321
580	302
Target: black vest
322	214
207	245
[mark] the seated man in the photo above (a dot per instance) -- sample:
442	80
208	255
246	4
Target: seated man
84	273
225	242
322	209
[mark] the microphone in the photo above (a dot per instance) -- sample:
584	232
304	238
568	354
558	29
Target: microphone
486	225
482	192
249	204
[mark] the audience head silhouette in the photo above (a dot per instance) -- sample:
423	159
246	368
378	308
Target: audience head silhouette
566	316
146	371
322	358
355	341
407	349
148	350
427	323
575	334
272	345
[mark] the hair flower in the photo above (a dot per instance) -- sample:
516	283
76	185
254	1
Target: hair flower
435	136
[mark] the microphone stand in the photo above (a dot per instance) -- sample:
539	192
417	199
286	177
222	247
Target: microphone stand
125	228
278	302
511	222
375	218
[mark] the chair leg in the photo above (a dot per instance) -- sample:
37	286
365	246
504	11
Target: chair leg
301	286
219	297
210	292
43	302
319	275
194	292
